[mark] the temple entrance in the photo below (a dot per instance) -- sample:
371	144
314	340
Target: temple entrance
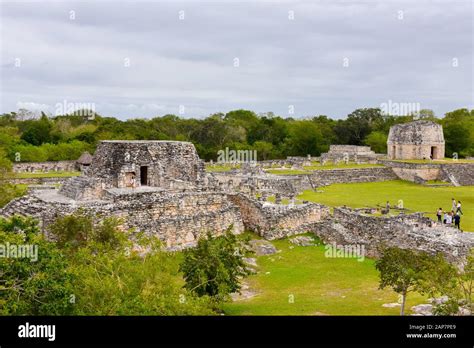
144	175
434	152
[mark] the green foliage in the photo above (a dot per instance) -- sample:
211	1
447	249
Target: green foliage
7	191
66	137
78	230
28	286
120	280
400	269
441	278
377	141
407	270
49	152
98	270
37	132
214	267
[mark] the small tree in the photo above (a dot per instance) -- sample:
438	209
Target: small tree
400	269
214	267
440	278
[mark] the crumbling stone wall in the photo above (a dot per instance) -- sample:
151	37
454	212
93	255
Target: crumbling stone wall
178	219
457	173
408	171
274	221
411	231
45	167
345	153
290	185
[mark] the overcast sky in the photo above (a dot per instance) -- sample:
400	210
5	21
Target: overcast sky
143	59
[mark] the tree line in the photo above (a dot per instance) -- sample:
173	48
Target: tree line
65	137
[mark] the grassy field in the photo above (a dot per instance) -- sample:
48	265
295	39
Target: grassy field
317	284
47	175
220	168
415	197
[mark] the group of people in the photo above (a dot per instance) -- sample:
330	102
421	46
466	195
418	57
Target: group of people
453	216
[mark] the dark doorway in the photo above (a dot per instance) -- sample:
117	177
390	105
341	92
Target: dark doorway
144	176
434	152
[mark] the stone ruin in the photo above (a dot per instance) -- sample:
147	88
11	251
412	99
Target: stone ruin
349	153
407	231
420	139
161	188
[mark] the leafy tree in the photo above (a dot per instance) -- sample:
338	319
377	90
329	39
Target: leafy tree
214	267
377	141
400	269
441	278
38	131
457	137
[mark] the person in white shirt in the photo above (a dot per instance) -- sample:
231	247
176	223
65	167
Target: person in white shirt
458	208
449	219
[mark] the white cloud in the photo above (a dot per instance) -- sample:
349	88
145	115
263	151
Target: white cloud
190	62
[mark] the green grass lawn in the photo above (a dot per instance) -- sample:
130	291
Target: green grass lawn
47	175
415	197
318	285
220	168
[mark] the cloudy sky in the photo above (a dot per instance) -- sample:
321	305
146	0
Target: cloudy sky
148	58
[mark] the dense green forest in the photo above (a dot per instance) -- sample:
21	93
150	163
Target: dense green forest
31	139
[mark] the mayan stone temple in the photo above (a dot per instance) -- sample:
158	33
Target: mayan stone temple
416	140
161	188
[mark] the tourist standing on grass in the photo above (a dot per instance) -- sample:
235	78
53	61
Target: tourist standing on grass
449	219
387	207
445	219
457	221
454	204
439	213
458	208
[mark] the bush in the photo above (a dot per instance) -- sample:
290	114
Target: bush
214	267
28	286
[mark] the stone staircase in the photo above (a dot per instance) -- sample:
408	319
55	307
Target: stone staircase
461	174
24	206
75	186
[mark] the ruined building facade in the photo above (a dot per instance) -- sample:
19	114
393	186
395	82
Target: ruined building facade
416	140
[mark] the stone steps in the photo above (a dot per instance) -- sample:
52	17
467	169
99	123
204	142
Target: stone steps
23	206
74	187
459	175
